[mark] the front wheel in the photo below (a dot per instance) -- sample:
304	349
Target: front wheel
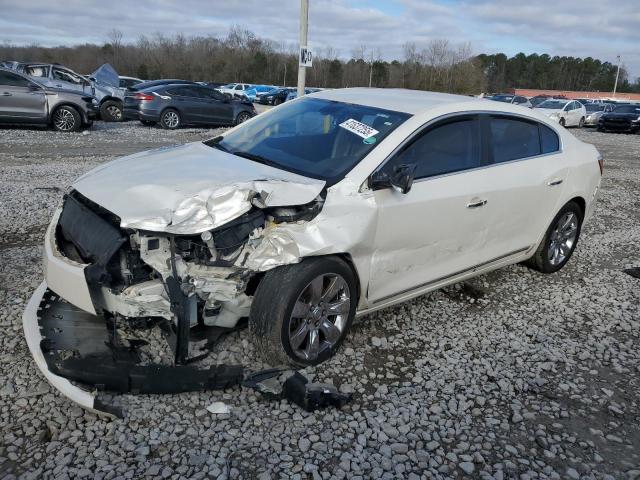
242	117
170	119
562	122
66	119
301	313
111	111
581	123
559	241
277	101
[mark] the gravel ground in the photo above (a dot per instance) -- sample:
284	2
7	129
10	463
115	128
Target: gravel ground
511	375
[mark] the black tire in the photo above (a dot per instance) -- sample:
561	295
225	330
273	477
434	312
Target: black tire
170	119
581	123
272	308
148	123
562	122
66	119
242	117
111	111
540	260
277	101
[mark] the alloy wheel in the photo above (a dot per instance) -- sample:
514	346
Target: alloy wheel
319	316
171	119
115	112
64	120
243	117
563	238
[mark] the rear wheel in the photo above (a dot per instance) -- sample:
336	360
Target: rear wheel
111	111
242	117
301	313
581	123
170	119
66	119
560	240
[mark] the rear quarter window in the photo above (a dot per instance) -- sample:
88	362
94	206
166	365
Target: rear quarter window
549	140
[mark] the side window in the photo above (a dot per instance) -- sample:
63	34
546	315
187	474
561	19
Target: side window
549	139
37	71
238	87
512	139
447	148
8	78
66	76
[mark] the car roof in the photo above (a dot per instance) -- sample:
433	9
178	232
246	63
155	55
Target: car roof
396	99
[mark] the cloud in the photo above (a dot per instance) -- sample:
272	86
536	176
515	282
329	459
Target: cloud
572	27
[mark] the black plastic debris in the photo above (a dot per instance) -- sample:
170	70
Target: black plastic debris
275	384
634	272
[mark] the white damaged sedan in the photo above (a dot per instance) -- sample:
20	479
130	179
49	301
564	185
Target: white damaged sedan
327	207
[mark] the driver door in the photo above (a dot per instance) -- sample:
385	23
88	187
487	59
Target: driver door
439	227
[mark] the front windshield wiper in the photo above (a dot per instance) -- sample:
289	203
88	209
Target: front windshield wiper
255	158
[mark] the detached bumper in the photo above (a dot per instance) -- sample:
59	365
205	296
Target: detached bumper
31	327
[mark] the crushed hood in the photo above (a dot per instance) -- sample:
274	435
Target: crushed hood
106	75
190	188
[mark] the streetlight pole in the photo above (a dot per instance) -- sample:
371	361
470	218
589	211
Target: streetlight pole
304	30
615	86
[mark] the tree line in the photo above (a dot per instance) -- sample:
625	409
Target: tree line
241	56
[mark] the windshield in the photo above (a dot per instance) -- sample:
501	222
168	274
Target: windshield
594	107
552	104
628	109
312	137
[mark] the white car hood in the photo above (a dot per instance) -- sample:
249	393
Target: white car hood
190	188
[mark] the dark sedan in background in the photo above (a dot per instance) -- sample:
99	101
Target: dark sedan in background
173	106
156	83
275	96
25	101
624	118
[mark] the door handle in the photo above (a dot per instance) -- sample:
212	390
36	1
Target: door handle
553	183
6	94
480	203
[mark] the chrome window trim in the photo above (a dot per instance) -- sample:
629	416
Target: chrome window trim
447	116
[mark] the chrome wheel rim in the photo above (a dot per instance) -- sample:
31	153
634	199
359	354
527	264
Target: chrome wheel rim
114	112
171	119
563	238
64	120
319	316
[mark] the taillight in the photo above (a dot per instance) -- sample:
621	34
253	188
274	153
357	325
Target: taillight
143	96
601	164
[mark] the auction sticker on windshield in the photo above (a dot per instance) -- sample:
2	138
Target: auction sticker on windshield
360	129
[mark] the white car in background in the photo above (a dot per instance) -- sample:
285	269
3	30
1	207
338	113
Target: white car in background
568	113
328	207
235	89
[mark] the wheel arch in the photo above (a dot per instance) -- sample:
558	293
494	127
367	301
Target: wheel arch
111	98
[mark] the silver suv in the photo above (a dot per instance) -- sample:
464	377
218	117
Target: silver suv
23	100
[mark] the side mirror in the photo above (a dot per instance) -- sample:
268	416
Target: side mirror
400	179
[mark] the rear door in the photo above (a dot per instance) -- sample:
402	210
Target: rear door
20	99
188	103
527	174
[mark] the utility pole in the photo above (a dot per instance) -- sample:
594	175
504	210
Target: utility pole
284	78
304	30
615	86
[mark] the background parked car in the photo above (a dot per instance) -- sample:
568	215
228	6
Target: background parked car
624	118
102	83
173	106
155	83
127	82
594	112
235	89
23	100
252	93
568	113
507	98
274	97
294	93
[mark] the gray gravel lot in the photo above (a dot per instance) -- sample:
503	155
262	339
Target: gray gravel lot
514	374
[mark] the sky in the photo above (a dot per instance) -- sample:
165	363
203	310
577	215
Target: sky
601	29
